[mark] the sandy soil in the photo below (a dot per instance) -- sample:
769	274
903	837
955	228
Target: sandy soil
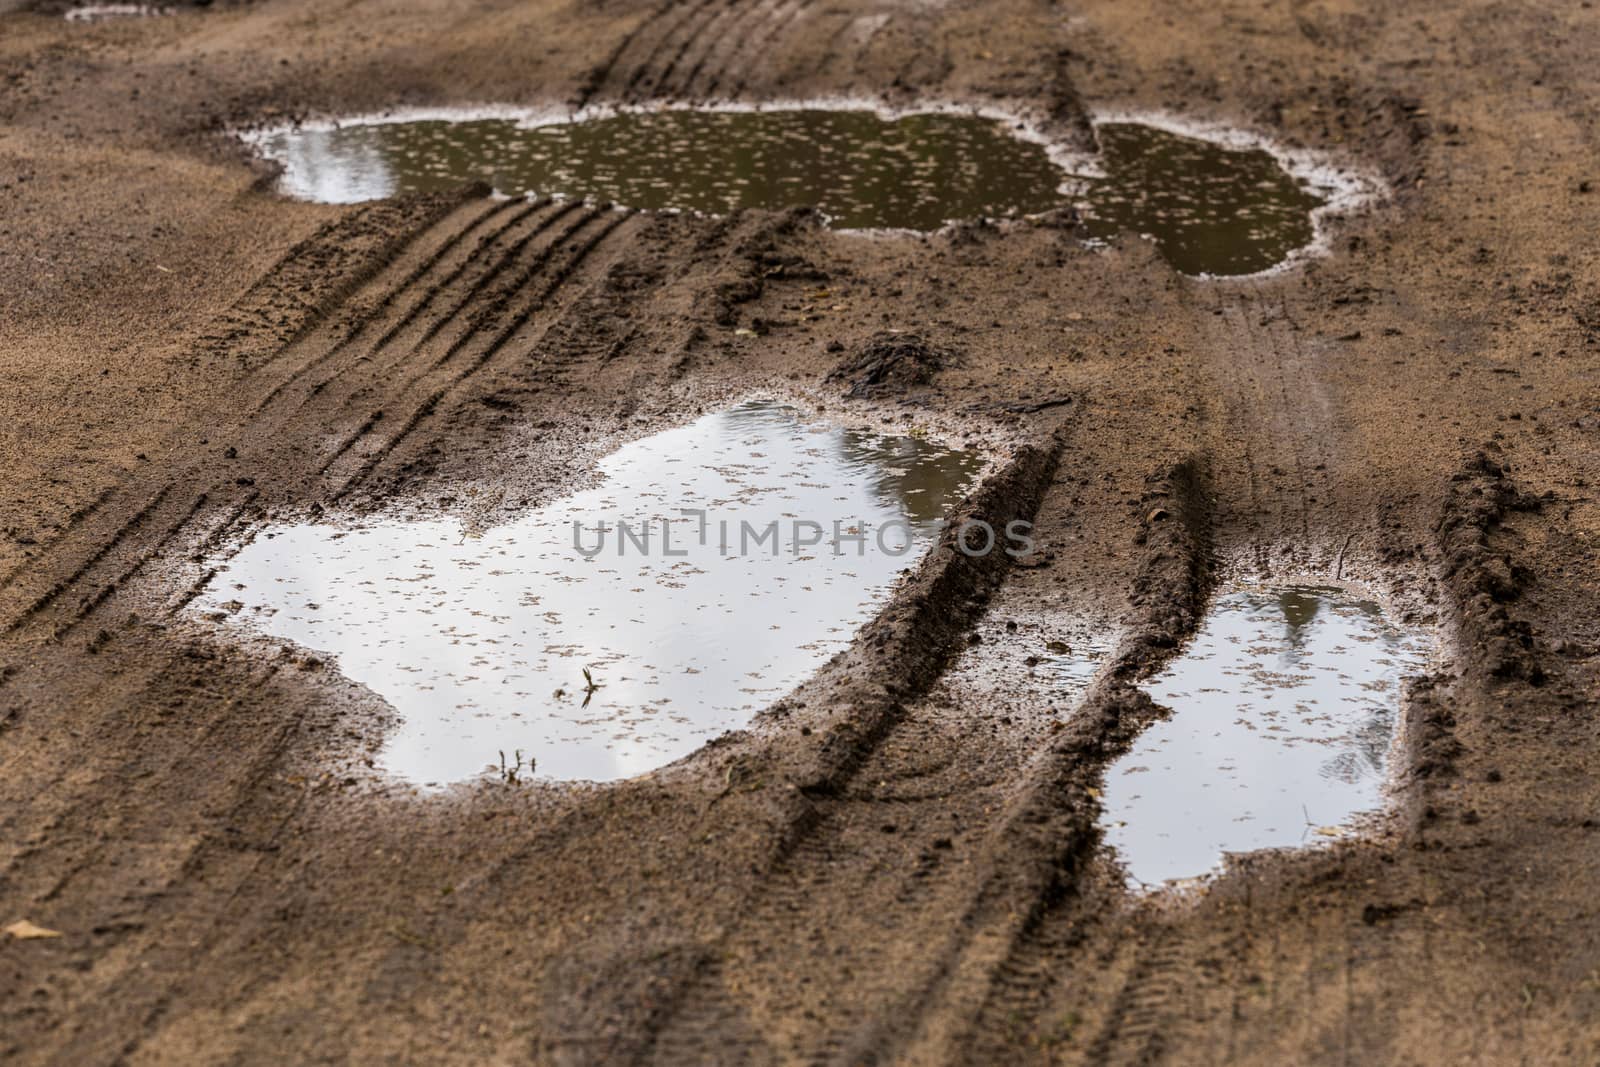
187	353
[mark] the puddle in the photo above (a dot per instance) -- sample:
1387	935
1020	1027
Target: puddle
864	171
1285	708
97	12
1210	208
479	640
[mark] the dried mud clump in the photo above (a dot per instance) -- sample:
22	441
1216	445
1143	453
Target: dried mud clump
892	363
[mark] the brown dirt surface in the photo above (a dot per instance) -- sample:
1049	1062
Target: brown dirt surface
892	864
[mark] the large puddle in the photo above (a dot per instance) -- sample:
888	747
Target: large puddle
1285	707
598	653
1211	208
862	170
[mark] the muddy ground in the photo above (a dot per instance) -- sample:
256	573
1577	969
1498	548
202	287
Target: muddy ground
890	865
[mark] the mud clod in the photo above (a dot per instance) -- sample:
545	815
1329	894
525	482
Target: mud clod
891	364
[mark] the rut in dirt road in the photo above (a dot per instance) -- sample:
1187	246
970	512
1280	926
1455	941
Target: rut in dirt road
908	875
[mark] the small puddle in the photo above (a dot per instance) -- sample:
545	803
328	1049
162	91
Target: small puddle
1285	709
862	170
480	640
1212	209
99	12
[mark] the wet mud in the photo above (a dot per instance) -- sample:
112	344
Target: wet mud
1385	377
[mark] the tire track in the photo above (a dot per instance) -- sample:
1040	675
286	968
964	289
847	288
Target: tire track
490	292
663	41
492	348
89	604
202	472
1134	1031
351	331
878	927
235	837
1274	400
1036	855
742	14
495	282
509	218
82	514
479	269
602	73
777	26
62	585
876	795
663	80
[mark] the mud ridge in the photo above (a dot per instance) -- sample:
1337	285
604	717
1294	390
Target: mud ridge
1483	583
1038	857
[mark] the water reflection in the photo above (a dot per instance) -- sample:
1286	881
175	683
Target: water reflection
481	643
1299	607
1285	708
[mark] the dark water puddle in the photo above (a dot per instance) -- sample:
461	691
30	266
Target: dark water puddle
1211	209
862	170
1285	709
480	641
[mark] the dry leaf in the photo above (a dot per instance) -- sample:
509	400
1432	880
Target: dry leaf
23	930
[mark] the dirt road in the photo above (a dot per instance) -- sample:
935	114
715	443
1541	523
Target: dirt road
899	862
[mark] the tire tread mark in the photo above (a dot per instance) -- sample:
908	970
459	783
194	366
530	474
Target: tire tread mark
91	603
741	17
454	275
429	262
778	25
45	599
208	545
603	72
508	293
77	516
495	306
631	89
663	80
581	254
